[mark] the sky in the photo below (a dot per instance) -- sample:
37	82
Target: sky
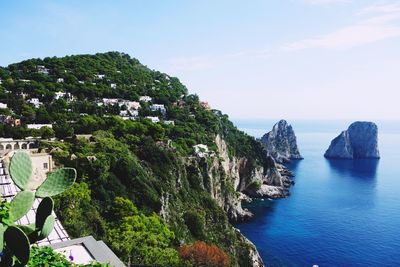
259	59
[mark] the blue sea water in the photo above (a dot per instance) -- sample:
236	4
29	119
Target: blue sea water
340	212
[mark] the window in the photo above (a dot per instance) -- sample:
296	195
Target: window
45	165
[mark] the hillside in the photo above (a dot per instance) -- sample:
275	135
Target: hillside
157	168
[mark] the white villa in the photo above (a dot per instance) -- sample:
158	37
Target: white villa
3	105
201	150
110	101
60	80
35	102
129	104
113	86
169	122
38	126
145	98
100	76
158	107
42	69
153	119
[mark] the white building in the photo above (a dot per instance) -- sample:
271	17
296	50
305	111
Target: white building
35	102
60	80
42	69
134	113
100	76
153	119
158	107
38	126
201	150
130	105
1	81
3	105
169	122
145	98
113	86
123	113
110	101
59	95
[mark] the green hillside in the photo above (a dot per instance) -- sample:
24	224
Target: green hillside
141	187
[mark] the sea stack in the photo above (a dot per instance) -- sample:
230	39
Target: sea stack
280	143
360	140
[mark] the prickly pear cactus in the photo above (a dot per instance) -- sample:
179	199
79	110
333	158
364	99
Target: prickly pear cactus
57	182
21	204
21	169
15	240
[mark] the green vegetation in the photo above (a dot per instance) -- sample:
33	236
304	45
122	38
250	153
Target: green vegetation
46	257
15	240
138	186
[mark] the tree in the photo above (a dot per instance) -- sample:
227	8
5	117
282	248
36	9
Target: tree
141	239
47	132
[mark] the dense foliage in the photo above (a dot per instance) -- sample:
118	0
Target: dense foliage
128	170
47	257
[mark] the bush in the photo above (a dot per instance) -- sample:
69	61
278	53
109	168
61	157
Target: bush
201	254
195	223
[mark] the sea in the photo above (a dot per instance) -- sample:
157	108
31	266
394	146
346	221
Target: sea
340	212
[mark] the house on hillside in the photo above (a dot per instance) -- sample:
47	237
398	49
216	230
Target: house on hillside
153	119
3	105
100	76
169	122
158	107
113	86
35	102
38	126
60	80
43	70
201	150
145	98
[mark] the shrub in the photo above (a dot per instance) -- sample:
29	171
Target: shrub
200	254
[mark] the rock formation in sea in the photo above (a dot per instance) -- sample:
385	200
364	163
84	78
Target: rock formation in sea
360	140
280	143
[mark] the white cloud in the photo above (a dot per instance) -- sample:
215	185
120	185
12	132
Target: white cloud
380	8
371	29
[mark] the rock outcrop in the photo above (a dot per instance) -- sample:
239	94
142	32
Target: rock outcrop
273	181
280	143
360	140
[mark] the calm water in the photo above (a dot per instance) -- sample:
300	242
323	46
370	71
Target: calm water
340	212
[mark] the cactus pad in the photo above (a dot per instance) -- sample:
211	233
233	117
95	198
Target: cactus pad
57	182
30	231
21	204
21	169
44	210
18	243
3	228
47	227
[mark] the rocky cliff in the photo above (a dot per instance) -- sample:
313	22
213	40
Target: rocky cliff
230	180
360	140
280	143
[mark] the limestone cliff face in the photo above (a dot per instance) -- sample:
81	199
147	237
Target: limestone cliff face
360	140
231	179
280	143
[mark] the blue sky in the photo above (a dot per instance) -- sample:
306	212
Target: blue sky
292	59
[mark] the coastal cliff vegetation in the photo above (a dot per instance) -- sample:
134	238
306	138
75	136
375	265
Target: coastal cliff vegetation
132	133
